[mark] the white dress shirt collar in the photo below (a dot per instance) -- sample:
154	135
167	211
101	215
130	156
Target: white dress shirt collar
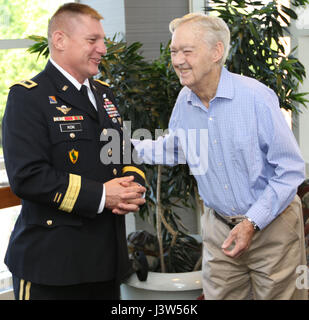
70	77
76	84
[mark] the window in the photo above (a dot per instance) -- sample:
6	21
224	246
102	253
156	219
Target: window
18	20
7	220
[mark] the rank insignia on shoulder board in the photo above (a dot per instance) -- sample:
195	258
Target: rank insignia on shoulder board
73	154
64	109
25	83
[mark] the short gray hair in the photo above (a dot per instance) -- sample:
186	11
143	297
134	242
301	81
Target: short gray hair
215	29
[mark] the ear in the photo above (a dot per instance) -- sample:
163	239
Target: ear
218	51
59	40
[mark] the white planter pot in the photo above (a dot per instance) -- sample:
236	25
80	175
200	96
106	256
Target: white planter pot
163	286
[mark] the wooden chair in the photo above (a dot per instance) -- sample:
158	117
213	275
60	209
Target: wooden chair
302	190
8	198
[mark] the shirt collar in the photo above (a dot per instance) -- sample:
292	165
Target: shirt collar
225	89
76	84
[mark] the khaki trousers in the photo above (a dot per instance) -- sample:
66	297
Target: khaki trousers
267	270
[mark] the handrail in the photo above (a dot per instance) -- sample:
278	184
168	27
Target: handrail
302	190
8	198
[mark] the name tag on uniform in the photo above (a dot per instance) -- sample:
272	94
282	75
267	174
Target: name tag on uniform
71	127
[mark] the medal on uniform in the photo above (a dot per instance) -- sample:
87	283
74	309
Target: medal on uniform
110	109
68	118
73	154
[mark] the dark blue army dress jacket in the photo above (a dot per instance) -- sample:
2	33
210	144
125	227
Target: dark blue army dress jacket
52	145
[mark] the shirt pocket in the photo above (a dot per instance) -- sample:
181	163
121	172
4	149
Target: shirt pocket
73	150
244	156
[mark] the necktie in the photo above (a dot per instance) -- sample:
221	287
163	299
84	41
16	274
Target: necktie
84	91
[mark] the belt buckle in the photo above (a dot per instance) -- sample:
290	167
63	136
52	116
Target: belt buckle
230	225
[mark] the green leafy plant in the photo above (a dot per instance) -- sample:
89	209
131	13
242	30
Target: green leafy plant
258	49
146	93
40	46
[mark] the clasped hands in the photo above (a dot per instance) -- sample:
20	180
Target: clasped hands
123	195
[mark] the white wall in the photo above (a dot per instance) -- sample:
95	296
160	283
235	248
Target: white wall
114	16
147	21
300	38
197	5
303	49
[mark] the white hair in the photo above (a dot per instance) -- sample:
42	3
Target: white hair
214	28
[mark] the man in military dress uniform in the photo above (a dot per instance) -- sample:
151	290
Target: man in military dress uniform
69	241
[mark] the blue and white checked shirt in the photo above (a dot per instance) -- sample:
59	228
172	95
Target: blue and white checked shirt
254	163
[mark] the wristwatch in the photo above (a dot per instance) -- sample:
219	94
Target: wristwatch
255	226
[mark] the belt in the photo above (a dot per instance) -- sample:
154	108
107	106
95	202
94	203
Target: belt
218	216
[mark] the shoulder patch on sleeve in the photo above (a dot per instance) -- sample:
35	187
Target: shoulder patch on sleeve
102	82
25	83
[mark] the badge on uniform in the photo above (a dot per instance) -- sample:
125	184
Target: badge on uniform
64	109
52	99
73	154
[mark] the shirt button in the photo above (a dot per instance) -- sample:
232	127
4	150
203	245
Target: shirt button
233	209
220	164
210	118
72	135
226	187
215	141
115	171
105	132
49	222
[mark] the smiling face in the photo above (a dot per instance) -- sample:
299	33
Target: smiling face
194	60
80	46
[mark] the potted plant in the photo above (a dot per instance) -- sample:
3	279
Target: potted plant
258	47
146	94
